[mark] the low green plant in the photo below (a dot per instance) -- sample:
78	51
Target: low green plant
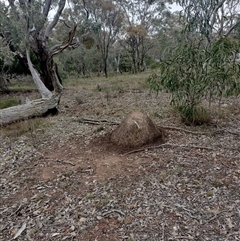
27	127
195	73
5	103
196	115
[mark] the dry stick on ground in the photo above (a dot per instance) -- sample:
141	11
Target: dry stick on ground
184	130
99	122
201	133
167	145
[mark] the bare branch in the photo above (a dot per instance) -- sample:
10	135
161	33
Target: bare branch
214	14
232	28
59	48
86	10
47	7
49	28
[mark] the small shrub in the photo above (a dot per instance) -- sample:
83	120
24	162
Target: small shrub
155	65
158	114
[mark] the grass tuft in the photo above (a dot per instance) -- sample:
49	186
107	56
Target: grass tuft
196	115
8	103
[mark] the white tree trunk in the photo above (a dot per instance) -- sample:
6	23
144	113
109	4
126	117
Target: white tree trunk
37	107
38	39
49	99
45	93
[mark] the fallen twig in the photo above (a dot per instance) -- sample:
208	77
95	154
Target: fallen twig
20	231
98	122
214	217
167	145
114	211
201	133
66	162
184	130
233	133
17	210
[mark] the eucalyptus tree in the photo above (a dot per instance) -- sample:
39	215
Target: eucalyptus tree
203	63
6	59
143	19
27	28
166	36
86	57
107	19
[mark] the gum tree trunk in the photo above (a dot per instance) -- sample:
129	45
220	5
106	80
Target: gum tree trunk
49	100
39	107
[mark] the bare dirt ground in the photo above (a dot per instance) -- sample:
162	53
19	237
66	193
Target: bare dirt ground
61	179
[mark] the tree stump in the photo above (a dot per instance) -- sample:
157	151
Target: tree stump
136	130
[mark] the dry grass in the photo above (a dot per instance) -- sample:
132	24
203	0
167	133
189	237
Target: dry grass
112	83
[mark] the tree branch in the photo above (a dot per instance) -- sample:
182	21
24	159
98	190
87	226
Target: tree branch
49	28
168	145
46	7
214	14
59	48
232	28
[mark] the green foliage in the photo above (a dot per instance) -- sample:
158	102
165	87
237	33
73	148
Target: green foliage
88	42
195	73
223	70
126	62
202	64
154	83
6	56
155	65
8	103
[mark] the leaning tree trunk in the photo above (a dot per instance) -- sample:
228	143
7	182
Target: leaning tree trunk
45	77
37	107
49	100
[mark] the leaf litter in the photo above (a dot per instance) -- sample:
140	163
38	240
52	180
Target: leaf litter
64	181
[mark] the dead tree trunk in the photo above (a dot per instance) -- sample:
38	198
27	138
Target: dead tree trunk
49	99
31	109
37	107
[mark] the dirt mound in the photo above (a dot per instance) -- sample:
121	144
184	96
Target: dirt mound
136	130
